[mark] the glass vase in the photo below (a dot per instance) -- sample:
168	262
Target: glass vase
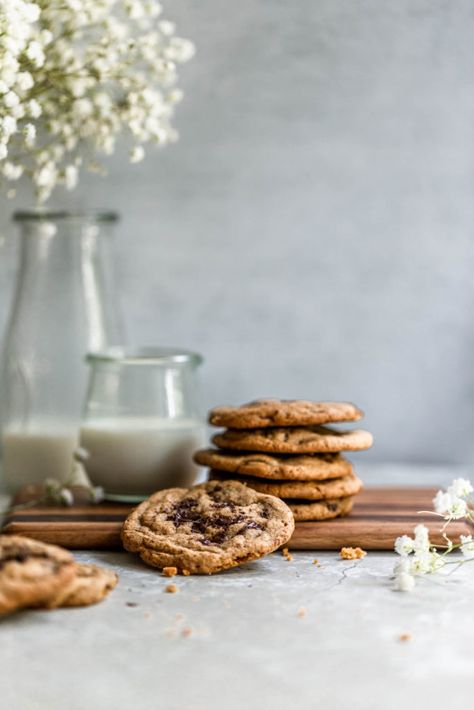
64	305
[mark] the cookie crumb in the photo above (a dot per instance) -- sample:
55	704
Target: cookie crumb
186	632
147	615
179	616
171	588
185	572
170	571
287	554
405	637
301	612
316	563
131	604
352	553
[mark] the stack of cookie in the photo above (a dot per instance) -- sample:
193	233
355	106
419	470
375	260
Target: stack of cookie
284	448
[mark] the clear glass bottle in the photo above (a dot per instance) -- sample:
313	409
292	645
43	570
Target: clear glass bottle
142	421
64	305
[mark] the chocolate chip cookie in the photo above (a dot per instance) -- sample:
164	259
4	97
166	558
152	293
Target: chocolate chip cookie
317	467
283	412
208	528
307	490
31	572
89	585
297	440
304	511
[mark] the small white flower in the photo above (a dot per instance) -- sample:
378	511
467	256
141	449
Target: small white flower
467	546
458	508
449	505
97	494
460	488
25	81
137	154
421	563
422	540
81	454
83	108
8	125
152	8
3	151
31	11
29	132
103	102
46	37
17	111
180	50
404	582
66	497
167	28
35	53
11	171
135	9
404	545
10	99
46	176
34	109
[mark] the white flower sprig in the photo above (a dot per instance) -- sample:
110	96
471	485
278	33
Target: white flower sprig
77	74
418	556
65	492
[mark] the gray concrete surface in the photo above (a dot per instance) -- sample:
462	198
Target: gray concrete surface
248	647
312	232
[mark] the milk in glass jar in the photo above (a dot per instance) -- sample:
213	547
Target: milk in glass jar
141	423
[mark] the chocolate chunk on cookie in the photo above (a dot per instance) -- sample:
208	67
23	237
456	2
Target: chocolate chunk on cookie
318	467
90	585
283	412
31	572
307	490
208	528
310	440
321	509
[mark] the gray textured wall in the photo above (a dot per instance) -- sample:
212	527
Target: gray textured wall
312	232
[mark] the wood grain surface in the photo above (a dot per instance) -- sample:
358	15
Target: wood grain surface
379	516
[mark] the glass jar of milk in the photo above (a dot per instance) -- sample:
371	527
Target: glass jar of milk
141	422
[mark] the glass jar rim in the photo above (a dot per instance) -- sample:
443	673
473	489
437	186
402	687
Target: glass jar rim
147	355
40	215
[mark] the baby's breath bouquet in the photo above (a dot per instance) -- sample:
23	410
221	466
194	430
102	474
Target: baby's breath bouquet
418	556
75	75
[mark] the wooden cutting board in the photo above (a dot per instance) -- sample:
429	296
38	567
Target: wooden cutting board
379	516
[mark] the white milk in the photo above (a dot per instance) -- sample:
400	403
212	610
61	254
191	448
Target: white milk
42	451
137	456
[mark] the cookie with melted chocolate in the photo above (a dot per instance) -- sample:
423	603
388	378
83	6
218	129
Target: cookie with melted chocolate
208	528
